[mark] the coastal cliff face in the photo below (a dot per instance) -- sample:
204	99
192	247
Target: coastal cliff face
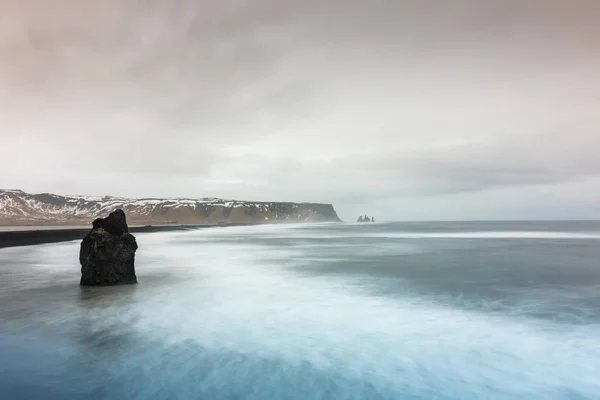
20	208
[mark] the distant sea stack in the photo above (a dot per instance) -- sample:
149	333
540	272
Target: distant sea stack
365	219
107	253
20	208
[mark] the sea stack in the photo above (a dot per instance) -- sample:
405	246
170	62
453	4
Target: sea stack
365	219
107	253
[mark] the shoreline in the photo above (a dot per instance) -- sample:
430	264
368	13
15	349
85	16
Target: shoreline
18	238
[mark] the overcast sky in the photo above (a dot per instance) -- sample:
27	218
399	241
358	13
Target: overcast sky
422	109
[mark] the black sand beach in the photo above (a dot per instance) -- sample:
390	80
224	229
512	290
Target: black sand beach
61	234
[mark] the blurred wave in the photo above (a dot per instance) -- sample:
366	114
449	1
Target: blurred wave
311	311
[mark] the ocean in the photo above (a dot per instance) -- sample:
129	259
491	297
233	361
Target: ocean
474	310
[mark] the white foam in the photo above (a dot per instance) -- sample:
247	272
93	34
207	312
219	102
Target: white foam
242	299
488	235
237	295
313	231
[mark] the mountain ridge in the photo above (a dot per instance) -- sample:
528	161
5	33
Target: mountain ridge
18	207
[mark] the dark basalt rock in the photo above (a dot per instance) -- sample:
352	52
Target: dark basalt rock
365	219
107	253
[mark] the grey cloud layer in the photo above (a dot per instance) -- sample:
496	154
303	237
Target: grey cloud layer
362	103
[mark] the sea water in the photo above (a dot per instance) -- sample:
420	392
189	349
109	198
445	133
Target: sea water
325	311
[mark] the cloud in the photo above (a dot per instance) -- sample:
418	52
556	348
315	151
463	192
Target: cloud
351	102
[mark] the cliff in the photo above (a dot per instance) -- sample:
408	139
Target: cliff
20	208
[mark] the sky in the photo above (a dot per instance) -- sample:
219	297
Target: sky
405	110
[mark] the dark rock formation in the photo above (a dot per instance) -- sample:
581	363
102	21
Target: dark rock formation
107	252
365	219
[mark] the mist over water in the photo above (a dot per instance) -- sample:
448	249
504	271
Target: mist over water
331	311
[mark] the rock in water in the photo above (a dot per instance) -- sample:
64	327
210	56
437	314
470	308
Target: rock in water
107	253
